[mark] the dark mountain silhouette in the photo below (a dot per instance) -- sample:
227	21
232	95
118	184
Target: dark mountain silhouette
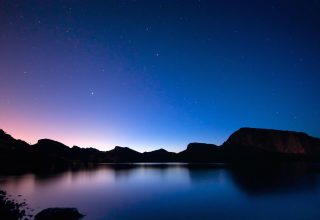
160	155
199	152
8	143
51	147
263	143
87	155
123	154
244	145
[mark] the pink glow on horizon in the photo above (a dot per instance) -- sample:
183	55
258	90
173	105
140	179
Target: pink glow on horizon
30	130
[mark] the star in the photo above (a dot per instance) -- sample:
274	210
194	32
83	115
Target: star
157	54
91	93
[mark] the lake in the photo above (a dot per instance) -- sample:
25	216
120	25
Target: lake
176	191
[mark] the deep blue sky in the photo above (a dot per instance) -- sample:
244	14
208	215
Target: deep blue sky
151	74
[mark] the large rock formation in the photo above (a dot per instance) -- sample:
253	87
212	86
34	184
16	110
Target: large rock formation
268	141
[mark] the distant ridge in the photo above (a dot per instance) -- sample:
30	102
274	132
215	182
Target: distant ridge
244	145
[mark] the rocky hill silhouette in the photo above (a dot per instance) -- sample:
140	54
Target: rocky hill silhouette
252	143
244	145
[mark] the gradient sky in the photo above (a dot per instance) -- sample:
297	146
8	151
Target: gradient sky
157	73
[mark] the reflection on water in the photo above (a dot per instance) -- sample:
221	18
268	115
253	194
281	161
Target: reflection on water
172	191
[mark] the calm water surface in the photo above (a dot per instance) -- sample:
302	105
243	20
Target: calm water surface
176	191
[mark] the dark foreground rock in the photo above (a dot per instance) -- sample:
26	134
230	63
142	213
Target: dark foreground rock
59	214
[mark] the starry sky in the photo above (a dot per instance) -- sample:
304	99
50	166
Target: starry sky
152	74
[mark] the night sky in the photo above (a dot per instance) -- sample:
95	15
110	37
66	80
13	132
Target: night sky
157	73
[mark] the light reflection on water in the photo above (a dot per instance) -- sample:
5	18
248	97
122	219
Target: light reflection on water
175	191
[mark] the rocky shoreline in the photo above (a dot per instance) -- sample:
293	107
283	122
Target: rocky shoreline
11	209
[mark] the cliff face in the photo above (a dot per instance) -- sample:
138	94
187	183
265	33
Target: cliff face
273	141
